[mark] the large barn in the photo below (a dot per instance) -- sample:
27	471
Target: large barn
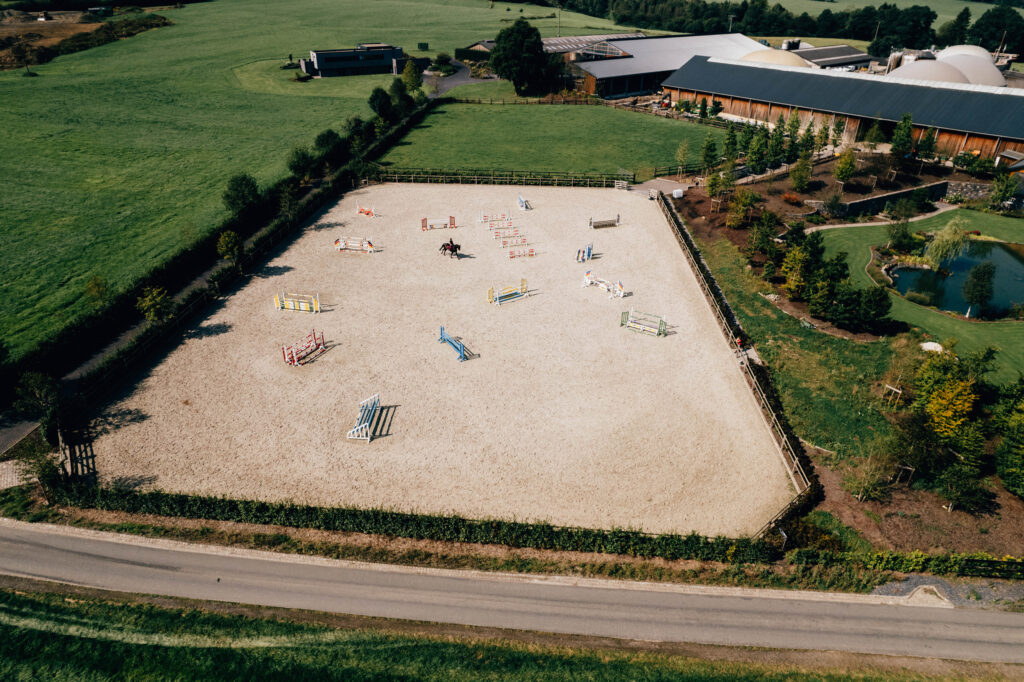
982	119
624	68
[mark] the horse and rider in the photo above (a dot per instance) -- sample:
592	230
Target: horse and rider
450	248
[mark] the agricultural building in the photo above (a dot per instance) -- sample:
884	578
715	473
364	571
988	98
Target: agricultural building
984	119
366	58
637	66
841	57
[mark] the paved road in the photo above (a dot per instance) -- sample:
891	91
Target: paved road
588	607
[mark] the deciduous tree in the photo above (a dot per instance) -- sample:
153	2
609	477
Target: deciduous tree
845	166
241	194
947	243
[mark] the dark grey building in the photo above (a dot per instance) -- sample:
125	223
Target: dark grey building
365	58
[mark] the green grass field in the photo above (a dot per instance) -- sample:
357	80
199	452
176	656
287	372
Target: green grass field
1007	336
116	157
544	137
51	637
946	9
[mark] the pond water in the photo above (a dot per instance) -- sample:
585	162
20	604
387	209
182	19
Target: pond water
946	291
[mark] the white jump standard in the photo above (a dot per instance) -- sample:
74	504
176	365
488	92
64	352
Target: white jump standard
363	430
524	205
507	294
437	223
613	288
612	222
644	323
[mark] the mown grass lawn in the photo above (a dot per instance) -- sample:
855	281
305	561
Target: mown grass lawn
115	158
56	638
1007	336
546	137
825	383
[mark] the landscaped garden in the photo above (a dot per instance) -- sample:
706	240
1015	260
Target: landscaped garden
1008	336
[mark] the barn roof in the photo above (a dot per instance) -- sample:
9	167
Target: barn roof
997	112
832	55
666	53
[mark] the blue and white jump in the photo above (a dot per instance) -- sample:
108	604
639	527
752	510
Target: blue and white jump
457	345
363	429
524	205
585	254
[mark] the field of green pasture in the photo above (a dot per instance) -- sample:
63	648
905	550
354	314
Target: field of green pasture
115	158
546	137
946	9
1008	336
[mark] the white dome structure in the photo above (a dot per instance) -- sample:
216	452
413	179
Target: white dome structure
929	70
777	57
973	50
979	70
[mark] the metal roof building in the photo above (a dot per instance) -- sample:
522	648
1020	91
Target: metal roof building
622	68
966	117
835	57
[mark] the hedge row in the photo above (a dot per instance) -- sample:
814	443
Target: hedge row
108	32
418	526
974	563
188	264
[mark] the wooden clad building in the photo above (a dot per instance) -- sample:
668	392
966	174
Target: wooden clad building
972	118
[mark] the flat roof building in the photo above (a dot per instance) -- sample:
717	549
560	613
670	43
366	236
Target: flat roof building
363	59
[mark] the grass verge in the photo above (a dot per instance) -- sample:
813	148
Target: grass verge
58	637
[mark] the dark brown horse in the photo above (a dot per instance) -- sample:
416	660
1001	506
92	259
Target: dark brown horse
451	248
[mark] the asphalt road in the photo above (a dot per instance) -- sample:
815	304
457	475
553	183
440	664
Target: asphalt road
561	605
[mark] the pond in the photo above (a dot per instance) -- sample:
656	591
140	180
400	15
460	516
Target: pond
946	291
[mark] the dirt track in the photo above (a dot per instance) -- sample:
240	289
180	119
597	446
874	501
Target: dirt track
561	415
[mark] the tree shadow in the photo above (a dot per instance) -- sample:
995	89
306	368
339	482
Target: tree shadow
112	420
206	330
268	271
327	225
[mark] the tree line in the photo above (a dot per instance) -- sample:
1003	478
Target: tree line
886	26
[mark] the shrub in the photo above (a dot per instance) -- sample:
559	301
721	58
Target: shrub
792	199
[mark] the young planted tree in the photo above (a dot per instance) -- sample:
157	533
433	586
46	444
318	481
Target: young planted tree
903	139
411	76
1004	189
682	154
703	110
838	129
807	139
241	194
229	246
709	154
980	285
874	136
746	135
729	144
757	152
846	164
821	139
800	176
154	304
794	269
793	125
926	147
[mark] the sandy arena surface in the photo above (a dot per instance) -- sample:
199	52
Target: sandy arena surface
560	415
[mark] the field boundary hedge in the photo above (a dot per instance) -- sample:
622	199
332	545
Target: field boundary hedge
980	564
419	526
497	176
